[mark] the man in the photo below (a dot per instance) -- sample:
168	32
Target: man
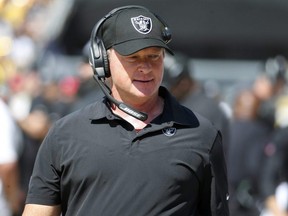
138	151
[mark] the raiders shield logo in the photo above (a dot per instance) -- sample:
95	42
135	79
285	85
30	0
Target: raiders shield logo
169	131
142	24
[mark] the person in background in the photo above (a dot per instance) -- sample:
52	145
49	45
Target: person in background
88	90
178	78
137	151
10	149
34	105
274	178
248	136
254	135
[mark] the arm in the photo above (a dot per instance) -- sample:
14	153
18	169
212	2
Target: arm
219	183
214	185
41	210
9	177
10	142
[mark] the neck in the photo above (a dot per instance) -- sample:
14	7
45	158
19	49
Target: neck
153	108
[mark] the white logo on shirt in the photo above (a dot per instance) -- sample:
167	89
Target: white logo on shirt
169	131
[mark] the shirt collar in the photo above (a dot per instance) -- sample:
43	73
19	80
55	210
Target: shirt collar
172	112
100	109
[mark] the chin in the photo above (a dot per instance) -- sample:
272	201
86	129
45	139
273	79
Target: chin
145	93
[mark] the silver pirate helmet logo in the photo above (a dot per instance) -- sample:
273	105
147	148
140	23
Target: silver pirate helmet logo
169	131
142	24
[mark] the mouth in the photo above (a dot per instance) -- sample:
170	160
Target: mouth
143	81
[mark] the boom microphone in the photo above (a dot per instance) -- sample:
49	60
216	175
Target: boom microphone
124	107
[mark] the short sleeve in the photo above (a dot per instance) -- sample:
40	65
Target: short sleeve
44	186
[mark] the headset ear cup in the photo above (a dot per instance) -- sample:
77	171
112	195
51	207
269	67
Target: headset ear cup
99	59
91	57
105	60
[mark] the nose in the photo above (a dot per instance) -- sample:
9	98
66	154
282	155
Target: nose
145	66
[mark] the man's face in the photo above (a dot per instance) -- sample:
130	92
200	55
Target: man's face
138	75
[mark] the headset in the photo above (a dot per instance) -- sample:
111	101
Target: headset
99	62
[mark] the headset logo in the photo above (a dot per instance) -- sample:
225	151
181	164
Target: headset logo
142	24
169	131
130	111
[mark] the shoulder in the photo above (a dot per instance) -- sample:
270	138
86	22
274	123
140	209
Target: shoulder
78	120
202	128
176	112
198	125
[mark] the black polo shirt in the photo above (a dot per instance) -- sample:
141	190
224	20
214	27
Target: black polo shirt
94	163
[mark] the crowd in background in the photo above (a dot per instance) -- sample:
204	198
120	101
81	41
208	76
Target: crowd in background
33	95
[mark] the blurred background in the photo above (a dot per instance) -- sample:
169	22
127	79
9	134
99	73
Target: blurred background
233	53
